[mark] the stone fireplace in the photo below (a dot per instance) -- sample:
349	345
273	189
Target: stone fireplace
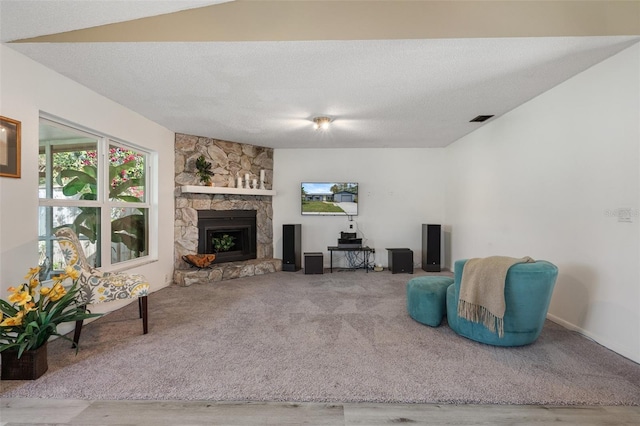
229	160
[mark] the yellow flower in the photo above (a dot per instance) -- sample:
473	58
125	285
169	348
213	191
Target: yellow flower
12	321
72	273
20	297
31	306
34	282
57	292
32	272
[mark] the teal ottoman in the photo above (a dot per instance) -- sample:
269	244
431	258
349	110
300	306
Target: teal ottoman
427	298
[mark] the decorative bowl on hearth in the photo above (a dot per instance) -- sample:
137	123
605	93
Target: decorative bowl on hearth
200	261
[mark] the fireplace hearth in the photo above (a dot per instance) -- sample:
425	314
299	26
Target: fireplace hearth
236	227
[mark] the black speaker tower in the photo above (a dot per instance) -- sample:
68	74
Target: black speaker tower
431	248
291	247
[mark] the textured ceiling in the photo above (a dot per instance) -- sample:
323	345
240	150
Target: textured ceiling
31	18
380	93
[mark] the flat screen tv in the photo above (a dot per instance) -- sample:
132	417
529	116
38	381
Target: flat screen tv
329	198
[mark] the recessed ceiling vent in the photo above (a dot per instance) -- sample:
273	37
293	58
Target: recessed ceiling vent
481	118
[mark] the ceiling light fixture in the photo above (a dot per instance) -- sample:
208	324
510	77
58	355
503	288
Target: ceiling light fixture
321	123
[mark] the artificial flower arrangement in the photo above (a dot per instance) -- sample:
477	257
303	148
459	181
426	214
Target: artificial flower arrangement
34	311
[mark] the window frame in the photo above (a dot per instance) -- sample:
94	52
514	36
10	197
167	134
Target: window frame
104	141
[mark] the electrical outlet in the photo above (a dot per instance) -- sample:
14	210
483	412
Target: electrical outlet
351	226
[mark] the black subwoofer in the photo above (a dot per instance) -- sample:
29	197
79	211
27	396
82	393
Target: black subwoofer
313	263
400	260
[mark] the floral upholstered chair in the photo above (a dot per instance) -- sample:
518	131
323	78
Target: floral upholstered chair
99	287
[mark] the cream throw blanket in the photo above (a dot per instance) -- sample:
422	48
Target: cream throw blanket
482	290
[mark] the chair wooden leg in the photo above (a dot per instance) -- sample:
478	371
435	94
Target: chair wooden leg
78	330
142	303
76	333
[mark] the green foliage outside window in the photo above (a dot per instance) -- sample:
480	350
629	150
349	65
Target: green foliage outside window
126	177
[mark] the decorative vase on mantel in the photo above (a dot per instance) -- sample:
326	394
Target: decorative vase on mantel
31	365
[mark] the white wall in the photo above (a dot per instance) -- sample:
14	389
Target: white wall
26	88
542	181
399	190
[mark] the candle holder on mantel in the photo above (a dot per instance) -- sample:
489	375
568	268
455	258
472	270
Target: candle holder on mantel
262	179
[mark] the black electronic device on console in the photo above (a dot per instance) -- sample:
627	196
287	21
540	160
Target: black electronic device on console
349	240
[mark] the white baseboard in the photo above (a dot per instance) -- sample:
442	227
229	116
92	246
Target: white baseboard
624	351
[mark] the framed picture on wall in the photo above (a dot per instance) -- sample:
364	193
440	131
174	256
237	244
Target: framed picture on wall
9	147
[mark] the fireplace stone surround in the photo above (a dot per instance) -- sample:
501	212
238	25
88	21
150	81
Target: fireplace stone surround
229	160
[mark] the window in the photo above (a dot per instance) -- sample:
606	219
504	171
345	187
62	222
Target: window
97	186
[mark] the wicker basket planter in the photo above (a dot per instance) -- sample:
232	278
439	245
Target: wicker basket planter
31	365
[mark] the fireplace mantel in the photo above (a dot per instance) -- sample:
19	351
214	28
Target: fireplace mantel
198	189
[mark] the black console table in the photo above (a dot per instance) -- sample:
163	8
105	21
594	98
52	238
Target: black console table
364	250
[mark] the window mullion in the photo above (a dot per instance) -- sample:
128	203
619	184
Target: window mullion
48	170
105	211
69	203
153	217
48	185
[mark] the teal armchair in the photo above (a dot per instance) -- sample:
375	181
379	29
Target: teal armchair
528	290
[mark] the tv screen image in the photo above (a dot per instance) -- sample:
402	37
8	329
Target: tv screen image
329	198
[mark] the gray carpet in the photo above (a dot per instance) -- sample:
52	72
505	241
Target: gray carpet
344	336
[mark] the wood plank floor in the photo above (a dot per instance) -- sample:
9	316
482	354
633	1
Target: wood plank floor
195	413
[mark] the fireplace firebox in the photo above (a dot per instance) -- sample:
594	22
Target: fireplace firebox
234	231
